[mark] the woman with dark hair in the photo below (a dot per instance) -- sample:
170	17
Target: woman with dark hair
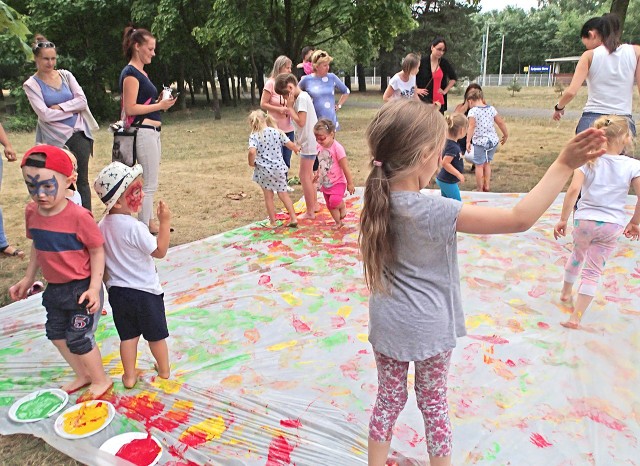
142	109
62	111
609	68
305	67
436	75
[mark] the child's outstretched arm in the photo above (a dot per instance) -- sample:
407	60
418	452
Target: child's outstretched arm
632	230
92	295
570	199
252	157
503	128
20	289
347	174
164	230
292	147
585	146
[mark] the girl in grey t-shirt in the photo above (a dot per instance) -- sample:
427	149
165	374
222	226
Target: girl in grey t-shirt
408	245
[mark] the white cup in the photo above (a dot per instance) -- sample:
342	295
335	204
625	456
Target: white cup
166	93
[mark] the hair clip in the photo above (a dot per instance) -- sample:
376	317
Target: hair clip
607	122
377	163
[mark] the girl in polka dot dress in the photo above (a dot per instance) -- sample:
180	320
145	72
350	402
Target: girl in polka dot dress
270	171
481	133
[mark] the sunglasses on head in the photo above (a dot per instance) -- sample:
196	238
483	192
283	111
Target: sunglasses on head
44	45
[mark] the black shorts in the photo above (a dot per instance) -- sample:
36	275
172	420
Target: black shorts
68	320
138	313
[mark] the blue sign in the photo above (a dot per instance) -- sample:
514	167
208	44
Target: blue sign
539	69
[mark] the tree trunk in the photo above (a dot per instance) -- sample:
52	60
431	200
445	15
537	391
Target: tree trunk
347	81
244	84
383	77
233	89
619	7
362	79
223	80
193	94
254	72
215	104
182	101
206	86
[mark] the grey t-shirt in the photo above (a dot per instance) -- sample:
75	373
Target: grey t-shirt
422	316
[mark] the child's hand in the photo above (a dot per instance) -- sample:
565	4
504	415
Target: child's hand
297	149
163	212
632	231
351	188
290	100
468	146
503	139
585	146
92	297
560	229
20	289
461	178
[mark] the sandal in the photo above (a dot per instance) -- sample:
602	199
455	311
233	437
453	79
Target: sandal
11	251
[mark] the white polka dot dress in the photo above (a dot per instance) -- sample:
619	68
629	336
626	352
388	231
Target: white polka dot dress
270	171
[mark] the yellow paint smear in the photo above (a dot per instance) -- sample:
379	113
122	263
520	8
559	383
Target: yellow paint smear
363	337
291	299
89	418
345	311
167	386
233	381
210	429
281	346
478	320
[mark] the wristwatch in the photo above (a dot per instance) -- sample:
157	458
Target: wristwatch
557	109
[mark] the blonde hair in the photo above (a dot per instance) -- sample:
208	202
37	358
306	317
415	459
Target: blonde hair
402	135
410	62
279	64
259	121
324	125
320	56
475	95
455	122
615	127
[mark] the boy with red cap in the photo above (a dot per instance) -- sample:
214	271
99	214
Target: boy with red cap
68	247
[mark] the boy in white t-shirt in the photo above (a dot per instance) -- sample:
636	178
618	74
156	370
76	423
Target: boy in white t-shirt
303	114
135	294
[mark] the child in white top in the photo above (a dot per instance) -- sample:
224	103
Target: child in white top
482	135
270	171
600	218
304	119
403	84
407	240
135	294
334	175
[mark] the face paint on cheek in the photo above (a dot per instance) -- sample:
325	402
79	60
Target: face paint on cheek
45	187
134	197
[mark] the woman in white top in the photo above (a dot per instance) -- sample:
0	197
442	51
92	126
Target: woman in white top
403	84
610	69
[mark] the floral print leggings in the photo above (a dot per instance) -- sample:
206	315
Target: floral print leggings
593	243
431	394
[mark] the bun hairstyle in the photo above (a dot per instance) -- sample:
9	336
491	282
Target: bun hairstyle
410	62
402	135
455	122
607	26
133	36
475	95
614	126
41	42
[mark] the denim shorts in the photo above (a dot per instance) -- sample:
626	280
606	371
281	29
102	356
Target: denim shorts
482	155
68	320
138	313
588	118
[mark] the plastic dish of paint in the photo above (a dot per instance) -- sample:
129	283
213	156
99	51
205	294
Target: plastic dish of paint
84	419
38	405
135	447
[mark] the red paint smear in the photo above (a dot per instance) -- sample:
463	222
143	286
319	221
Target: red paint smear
543	325
510	363
337	321
170	421
294	423
599	417
179	453
141	452
279	452
300	326
539	441
264	279
141	408
494	339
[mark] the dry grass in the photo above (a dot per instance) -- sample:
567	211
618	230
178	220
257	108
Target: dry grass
204	159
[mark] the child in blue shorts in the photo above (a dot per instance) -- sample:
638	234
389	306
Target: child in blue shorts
482	135
68	248
135	294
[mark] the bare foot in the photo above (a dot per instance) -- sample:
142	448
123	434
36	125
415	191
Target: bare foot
130	382
77	384
96	391
570	324
162	374
337	226
307	216
565	298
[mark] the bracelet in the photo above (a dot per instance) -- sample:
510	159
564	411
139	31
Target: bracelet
555	107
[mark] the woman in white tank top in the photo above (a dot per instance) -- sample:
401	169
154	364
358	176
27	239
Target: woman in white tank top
610	71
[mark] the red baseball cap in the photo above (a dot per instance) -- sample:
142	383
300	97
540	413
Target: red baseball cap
55	159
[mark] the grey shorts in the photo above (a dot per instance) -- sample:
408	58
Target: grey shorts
482	154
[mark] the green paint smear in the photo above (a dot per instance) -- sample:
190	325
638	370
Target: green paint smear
229	363
10	351
334	340
39	407
6	400
523	383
